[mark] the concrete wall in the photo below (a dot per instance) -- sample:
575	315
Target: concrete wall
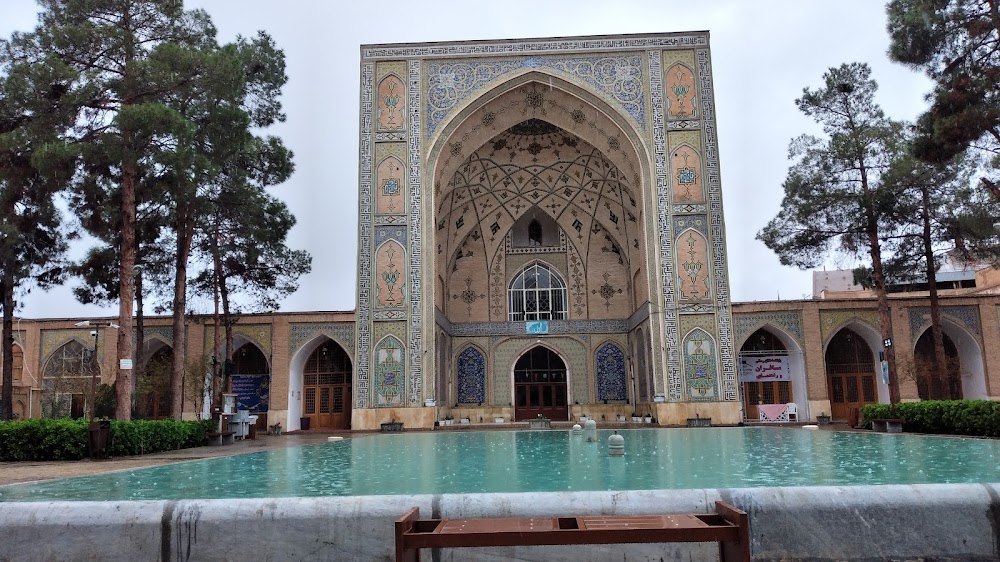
953	522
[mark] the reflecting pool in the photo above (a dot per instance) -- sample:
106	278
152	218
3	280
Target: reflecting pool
534	461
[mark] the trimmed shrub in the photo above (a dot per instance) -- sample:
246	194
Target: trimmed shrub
979	418
66	439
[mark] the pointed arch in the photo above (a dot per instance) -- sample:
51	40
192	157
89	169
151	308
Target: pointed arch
390	278
537	292
766	341
693	279
471	367
968	354
686	174
609	361
390	181
701	372
541	384
851	370
680	96
389	384
296	377
391	109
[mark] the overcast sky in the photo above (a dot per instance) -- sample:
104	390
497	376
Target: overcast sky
763	54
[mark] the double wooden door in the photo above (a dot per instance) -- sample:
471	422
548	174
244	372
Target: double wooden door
540	386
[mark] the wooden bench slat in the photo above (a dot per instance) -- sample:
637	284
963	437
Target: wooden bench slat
728	526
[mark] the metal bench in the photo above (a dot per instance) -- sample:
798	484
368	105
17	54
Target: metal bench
728	526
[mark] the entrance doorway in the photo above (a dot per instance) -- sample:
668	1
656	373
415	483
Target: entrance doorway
326	388
763	346
540	386
850	370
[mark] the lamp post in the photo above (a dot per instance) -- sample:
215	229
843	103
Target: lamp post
93	373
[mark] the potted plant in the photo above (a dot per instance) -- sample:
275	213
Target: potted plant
636	418
648	418
823	419
448	420
621	417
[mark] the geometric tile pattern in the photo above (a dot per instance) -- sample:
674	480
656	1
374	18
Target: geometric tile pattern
388	381
830	320
699	366
366	212
666	243
573	352
340	332
471	376
533	46
618	78
555	327
967	316
610	365
718	238
789	322
416	223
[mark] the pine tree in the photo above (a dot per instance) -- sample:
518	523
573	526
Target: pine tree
36	106
835	198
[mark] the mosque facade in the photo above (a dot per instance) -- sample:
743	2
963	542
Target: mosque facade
541	234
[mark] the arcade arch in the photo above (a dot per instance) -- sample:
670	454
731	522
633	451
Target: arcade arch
967	379
775	386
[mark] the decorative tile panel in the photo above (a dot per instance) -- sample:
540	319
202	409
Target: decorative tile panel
52	340
700	370
618	77
366	211
166	334
534	46
505	355
416	251
967	316
471	376
718	238
397	233
340	332
389	382
259	334
832	320
789	322
609	362
555	327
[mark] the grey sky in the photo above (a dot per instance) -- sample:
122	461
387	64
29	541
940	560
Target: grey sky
763	54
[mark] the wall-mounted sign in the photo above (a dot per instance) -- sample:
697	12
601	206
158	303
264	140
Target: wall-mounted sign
765	368
536	327
125	364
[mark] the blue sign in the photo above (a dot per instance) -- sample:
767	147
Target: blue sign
885	372
536	327
253	391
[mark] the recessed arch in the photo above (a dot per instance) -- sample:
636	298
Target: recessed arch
701	367
537	292
680	92
851	368
471	376
609	362
970	357
296	379
540	384
776	342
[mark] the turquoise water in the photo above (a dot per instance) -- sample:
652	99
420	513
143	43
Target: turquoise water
535	461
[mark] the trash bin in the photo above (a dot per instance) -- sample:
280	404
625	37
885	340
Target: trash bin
304	424
853	417
100	436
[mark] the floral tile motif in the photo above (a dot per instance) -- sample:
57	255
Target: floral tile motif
389	382
618	77
610	361
700	369
471	376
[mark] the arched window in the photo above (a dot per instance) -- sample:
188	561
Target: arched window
538	293
534	233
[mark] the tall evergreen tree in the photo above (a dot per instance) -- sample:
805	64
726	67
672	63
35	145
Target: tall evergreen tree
36	106
835	199
957	44
128	55
931	200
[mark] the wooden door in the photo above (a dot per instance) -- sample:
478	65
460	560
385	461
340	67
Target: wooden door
764	392
327	388
540	386
851	390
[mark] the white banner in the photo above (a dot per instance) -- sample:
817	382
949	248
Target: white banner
764	368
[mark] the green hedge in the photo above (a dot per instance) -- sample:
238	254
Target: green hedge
956	417
65	439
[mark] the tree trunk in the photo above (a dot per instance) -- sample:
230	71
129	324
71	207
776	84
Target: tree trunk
126	287
140	340
218	366
938	381
7	401
177	366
